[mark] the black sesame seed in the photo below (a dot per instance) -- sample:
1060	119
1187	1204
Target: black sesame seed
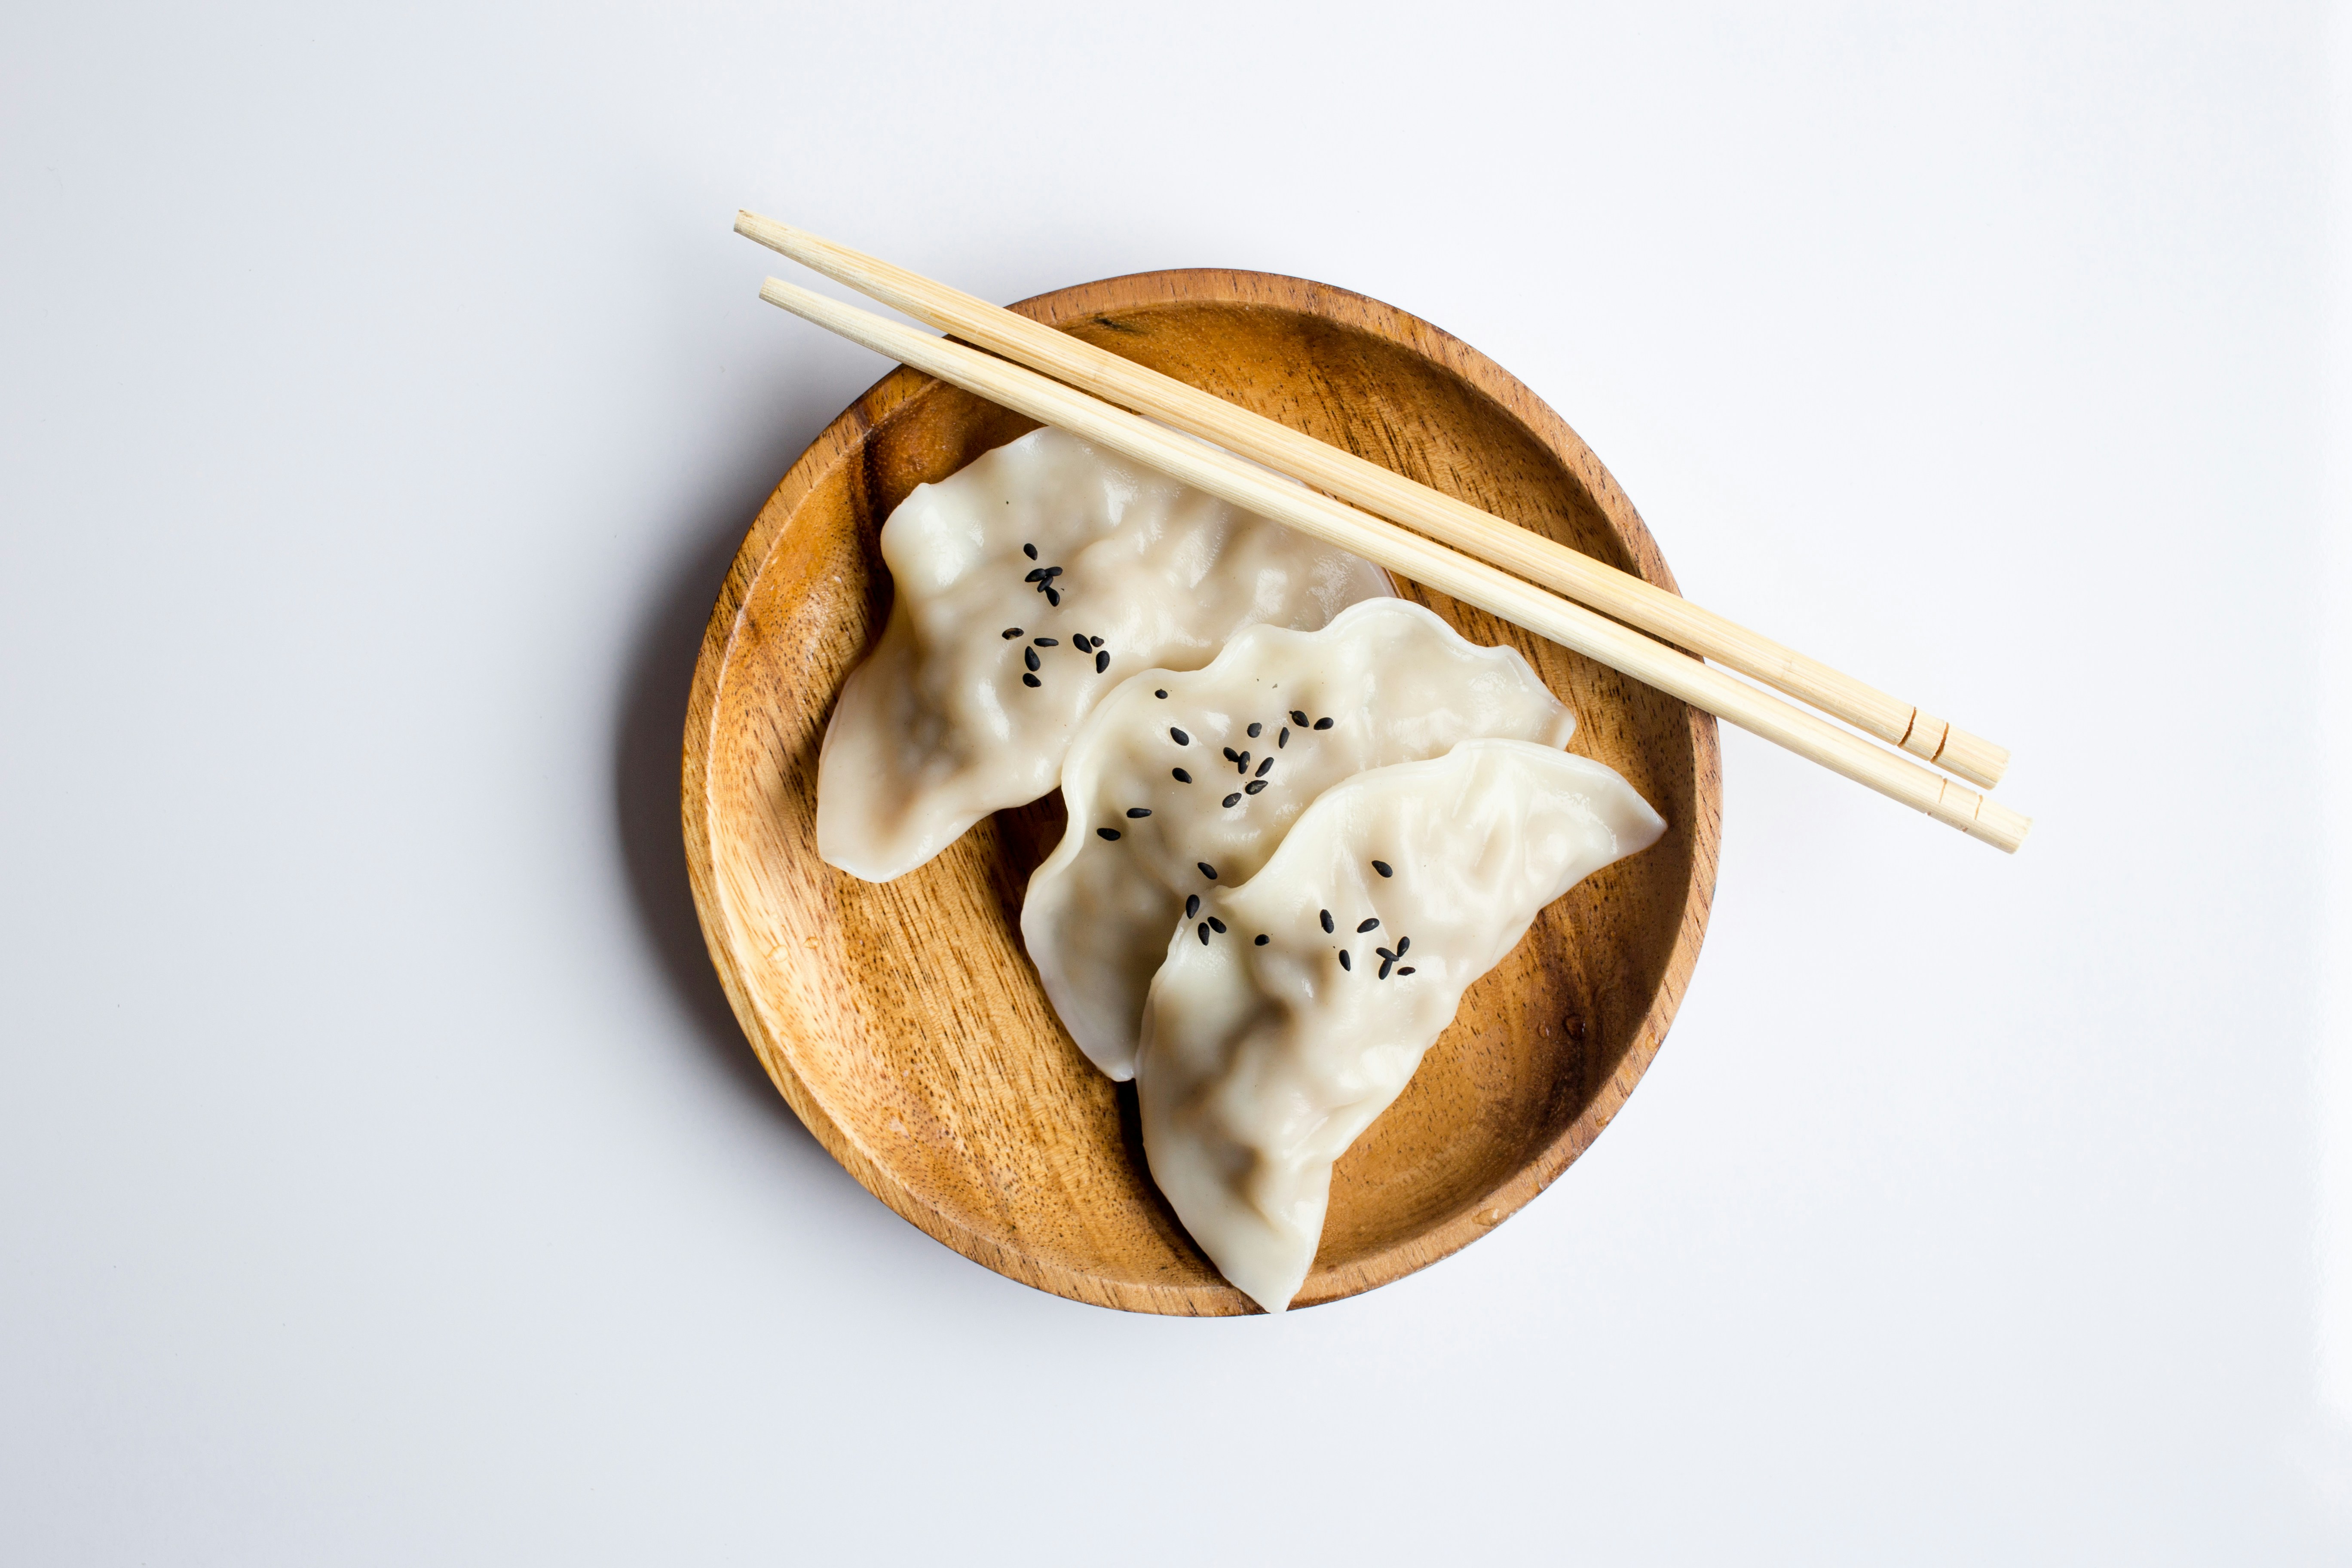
1232	800
1161	694
1029	679
1181	776
1262	940
1102	662
1383	868
1255	731
1229	755
1283	739
1404	943
1036	574
1204	933
1371	924
1030	551
1052	598
1012	632
1345	961
1029	656
1406	969
1046	642
1299	717
1263	767
1135	811
1216	925
1179	736
1052	573
1322	723
1206	870
1110	833
1384	952
1081	642
1386	965
1327	926
1191	905
1242	762
1255	786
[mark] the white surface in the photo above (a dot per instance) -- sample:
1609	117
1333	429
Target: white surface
2334	1085
381	1179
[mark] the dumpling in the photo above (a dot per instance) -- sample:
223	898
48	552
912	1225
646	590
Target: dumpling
1269	1046
1030	583
1180	784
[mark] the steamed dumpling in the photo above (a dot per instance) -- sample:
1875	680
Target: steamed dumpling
1395	890
1029	584
1179	784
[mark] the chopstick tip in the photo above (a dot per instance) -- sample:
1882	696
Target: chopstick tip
759	227
1996	824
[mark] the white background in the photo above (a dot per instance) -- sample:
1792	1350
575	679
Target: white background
382	1178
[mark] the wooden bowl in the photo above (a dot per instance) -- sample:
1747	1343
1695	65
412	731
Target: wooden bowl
903	1021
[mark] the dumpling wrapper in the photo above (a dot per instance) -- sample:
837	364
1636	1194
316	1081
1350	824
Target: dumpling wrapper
1398	684
936	729
1260	1065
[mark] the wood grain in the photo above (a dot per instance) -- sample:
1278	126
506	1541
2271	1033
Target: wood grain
903	1022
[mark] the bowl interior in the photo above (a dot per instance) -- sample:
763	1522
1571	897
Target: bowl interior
903	1021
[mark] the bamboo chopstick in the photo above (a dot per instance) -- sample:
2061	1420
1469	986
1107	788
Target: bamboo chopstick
1491	539
1474	582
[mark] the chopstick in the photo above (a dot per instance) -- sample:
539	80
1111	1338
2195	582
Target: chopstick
1520	550
1254	489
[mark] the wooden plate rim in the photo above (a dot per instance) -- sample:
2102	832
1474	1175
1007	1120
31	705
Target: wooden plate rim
842	441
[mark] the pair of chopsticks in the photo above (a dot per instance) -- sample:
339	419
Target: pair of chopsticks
1508	571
